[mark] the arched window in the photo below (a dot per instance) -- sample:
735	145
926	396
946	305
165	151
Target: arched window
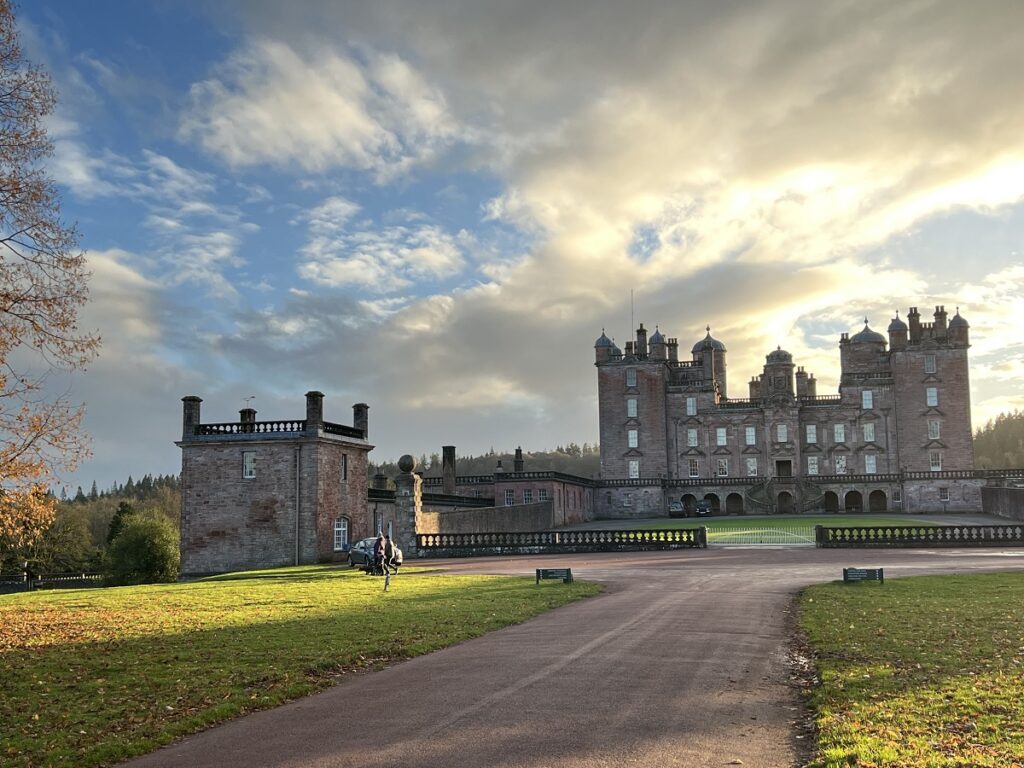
341	534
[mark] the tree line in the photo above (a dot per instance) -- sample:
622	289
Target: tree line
573	459
1000	443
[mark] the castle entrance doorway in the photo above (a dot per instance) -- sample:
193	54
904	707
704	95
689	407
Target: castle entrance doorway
786	505
831	502
877	501
854	502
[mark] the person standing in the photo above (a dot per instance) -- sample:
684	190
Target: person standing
389	554
378	553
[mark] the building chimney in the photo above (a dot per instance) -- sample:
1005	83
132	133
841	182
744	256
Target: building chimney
914	321
314	410
641	341
190	416
448	470
517	465
380	481
673	350
940	321
361	418
248	418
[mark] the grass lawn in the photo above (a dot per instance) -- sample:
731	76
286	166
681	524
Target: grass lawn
779	529
925	671
90	677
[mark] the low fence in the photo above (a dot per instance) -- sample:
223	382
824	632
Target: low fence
920	536
556	542
10	583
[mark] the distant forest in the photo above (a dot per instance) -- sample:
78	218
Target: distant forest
582	460
1000	443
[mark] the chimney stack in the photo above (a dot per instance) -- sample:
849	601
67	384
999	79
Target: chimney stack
361	418
448	470
517	464
314	410
190	416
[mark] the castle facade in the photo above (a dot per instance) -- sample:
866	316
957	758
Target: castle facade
896	437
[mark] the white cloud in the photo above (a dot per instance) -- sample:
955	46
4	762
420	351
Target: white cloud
325	109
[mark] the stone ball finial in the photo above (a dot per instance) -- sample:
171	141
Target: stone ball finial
407	463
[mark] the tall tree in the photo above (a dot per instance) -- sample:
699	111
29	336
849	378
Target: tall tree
43	281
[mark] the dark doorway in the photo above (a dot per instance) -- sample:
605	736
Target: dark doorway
783	468
854	502
734	504
786	504
716	504
831	502
877	501
689	503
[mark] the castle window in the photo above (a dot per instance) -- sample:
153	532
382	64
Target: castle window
812	465
935	461
943	494
751	436
527	496
929	363
510	497
691	438
542	494
691	406
934	429
839	433
812	433
897	496
631	377
627	499
248	465
631	407
694	467
632	438
870	464
782	433
867	399
634	469
344	467
869	432
840	465
723	467
931	396
721	438
340	534
752	467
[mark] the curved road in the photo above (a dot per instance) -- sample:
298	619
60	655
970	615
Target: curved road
681	662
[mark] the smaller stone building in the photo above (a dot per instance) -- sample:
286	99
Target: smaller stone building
264	494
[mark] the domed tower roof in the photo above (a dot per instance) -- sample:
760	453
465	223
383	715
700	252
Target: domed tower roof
779	356
897	325
709	343
867	336
656	337
958	320
603	341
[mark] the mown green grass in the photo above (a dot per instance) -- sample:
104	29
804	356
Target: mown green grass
90	677
926	671
779	528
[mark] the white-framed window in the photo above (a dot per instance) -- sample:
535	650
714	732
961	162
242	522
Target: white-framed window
627	499
931	396
691	438
870	464
752	466
631	377
631	407
839	433
721	437
632	438
510	497
340	534
869	432
634	469
897	496
527	496
694	467
248	464
929	364
812	465
812	433
723	467
867	399
934	429
344	468
750	435
935	461
691	406
840	465
943	494
781	433
542	494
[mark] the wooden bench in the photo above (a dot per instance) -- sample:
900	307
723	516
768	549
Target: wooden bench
857	575
565	574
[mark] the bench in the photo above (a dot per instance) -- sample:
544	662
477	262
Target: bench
565	574
857	575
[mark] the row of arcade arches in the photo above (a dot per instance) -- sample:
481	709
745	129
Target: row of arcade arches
732	504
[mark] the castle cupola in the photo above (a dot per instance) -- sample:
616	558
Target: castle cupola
710	352
708	343
867	336
958	328
657	345
898	333
603	348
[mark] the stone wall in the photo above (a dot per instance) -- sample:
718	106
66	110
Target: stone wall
1004	502
517	518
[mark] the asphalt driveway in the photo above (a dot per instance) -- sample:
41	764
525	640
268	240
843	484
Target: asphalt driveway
681	662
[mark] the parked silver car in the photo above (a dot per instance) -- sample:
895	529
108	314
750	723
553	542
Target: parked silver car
361	553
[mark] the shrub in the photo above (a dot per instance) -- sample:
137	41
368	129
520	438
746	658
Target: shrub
145	551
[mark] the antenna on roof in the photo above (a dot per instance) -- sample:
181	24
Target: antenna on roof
632	322
248	399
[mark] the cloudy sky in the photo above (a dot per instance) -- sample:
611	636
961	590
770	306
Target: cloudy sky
435	207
